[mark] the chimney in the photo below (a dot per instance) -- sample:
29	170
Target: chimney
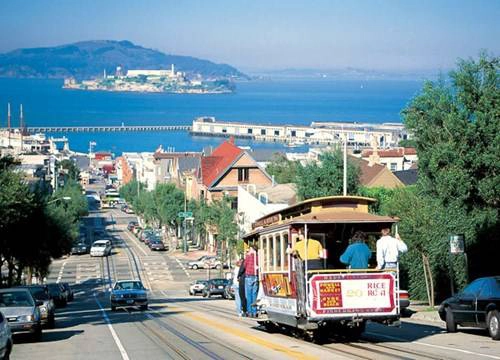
374	158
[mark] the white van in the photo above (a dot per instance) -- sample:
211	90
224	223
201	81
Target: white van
101	248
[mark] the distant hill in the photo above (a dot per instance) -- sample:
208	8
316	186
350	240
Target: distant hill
88	59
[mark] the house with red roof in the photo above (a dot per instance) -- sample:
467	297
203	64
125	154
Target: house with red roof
395	159
227	167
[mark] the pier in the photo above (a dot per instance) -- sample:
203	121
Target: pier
90	129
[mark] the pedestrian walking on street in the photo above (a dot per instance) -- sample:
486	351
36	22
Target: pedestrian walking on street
251	280
241	286
236	287
357	254
388	250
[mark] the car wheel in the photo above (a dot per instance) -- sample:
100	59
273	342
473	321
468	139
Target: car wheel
144	307
209	295
37	335
195	267
52	322
191	293
113	308
451	325
8	349
218	266
493	322
204	294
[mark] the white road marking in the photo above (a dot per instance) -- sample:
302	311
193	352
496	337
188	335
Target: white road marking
112	331
182	267
59	277
435	346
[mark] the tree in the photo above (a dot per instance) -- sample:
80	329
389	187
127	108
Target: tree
169	201
326	177
284	170
70	170
456	128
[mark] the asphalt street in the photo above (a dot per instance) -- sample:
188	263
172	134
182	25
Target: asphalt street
179	326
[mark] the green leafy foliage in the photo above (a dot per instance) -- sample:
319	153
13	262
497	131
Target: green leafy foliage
326	177
35	228
284	170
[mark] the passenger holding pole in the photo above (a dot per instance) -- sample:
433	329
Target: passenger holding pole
314	252
388	250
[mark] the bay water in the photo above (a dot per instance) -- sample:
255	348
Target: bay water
298	102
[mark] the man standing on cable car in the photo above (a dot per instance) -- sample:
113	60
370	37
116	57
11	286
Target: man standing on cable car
313	254
388	249
251	281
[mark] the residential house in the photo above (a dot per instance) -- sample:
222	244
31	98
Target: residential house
171	167
227	167
395	159
375	175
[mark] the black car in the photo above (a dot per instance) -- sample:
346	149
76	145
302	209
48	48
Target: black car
58	295
477	305
79	248
215	287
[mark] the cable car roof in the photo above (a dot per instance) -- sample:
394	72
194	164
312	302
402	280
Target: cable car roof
331	209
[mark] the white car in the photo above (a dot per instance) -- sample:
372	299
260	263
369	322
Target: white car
5	338
197	287
101	248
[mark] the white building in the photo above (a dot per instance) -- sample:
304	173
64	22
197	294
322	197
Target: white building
257	201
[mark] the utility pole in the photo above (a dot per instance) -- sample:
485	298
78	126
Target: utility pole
8	121
345	164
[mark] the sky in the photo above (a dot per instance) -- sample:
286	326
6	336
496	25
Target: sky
403	35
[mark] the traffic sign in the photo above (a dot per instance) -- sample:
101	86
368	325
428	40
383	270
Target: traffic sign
185	214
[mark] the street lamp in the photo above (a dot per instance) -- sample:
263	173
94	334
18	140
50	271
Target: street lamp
64	198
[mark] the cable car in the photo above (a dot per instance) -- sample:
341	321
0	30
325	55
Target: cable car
319	297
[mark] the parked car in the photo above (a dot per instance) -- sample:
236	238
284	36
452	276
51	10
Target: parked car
478	305
198	263
101	248
229	290
48	309
129	293
197	287
57	294
6	342
69	291
79	248
404	300
215	287
157	245
21	311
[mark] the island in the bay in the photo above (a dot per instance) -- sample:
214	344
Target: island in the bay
169	81
120	66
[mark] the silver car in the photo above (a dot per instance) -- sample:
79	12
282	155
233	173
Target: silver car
21	311
5	338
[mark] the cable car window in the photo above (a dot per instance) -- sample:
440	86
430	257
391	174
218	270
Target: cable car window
270	252
284	243
279	252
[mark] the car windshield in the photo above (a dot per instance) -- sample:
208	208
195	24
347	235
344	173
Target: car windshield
15	299
129	285
203	282
39	294
218	282
99	245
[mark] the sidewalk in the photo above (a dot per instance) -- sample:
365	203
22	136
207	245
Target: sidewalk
422	312
192	254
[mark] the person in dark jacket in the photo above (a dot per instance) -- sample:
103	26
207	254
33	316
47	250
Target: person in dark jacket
241	289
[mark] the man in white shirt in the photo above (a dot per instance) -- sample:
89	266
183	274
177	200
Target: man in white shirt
388	249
